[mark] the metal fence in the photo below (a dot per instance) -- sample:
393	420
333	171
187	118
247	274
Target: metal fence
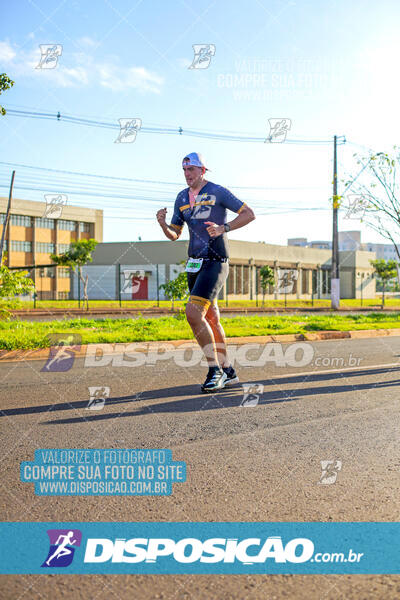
123	282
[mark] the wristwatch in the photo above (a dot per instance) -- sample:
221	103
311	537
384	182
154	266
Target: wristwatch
227	227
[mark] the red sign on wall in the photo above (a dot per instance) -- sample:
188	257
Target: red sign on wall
139	288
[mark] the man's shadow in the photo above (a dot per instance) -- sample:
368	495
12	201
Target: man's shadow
231	397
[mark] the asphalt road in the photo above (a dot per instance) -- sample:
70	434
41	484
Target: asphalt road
244	463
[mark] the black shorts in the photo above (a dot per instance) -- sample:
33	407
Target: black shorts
205	285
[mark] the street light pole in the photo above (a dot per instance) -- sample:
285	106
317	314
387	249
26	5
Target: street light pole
335	281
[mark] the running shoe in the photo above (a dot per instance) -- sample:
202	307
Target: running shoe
231	376
215	380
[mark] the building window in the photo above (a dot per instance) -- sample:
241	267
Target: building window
315	281
47	272
17	246
326	281
246	274
63	248
44	223
45	248
257	281
2	218
239	279
63	272
63	295
21	220
66	225
231	279
84	227
304	280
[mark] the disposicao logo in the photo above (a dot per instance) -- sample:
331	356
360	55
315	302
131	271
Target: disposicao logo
61	551
190	550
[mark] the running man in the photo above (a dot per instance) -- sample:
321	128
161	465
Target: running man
203	206
62	549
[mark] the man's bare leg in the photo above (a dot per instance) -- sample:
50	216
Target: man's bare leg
212	318
196	316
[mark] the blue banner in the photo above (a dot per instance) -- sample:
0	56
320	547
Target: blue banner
190	548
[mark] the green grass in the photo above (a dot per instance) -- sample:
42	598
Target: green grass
28	335
351	303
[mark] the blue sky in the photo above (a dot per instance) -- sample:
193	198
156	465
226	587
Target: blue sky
330	67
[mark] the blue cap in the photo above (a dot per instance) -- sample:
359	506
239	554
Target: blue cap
194	159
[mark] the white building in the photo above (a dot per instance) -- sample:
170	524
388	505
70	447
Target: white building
385	251
350	241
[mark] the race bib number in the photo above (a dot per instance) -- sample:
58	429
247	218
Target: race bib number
193	265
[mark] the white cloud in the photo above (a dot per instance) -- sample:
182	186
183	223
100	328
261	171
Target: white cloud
119	78
79	69
70	77
184	62
7	53
87	42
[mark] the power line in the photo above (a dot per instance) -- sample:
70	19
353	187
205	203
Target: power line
223	136
117	193
85	188
257	204
266	214
151	181
88	174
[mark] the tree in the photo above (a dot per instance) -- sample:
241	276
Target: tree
267	277
5	84
379	193
385	271
12	284
78	255
176	289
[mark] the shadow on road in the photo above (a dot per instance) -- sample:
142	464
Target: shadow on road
227	398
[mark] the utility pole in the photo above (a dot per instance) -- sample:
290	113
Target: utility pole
6	219
335	281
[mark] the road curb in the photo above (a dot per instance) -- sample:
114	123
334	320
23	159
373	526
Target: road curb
316	336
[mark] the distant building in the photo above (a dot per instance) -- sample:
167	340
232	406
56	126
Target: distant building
302	242
350	241
385	251
320	244
135	270
31	237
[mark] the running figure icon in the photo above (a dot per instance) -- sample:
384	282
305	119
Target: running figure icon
63	352
63	544
62	549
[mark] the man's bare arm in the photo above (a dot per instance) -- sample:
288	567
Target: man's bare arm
169	230
245	216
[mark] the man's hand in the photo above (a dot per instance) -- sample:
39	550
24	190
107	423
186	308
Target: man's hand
213	229
171	234
161	216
